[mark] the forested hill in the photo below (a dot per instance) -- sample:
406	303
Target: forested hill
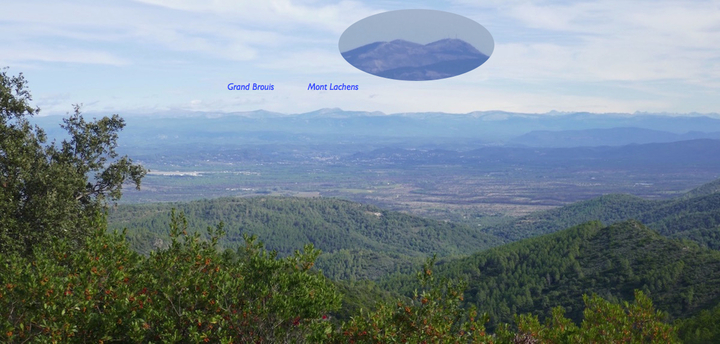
695	216
358	241
536	274
705	189
606	209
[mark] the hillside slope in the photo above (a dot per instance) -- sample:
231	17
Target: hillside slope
358	241
695	216
536	274
606	209
705	189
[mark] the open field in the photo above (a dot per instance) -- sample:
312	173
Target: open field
458	193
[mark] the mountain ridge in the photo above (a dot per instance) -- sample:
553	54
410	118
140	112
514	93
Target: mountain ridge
497	126
403	60
618	136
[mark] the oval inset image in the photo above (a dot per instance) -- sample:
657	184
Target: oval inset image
416	45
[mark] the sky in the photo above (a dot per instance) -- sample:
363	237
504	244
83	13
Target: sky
149	56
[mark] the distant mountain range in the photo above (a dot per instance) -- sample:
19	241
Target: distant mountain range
605	137
403	60
336	125
673	156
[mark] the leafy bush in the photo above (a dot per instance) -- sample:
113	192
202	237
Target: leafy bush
702	328
604	322
435	315
187	293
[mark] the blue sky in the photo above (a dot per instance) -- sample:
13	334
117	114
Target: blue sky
149	56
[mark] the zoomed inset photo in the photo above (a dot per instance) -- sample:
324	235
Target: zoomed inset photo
416	45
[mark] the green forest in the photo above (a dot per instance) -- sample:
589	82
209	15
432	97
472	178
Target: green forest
77	269
534	275
358	241
695	216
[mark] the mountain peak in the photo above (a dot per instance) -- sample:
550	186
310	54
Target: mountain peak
403	60
453	44
402	42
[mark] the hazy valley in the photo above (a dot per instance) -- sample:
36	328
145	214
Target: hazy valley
463	168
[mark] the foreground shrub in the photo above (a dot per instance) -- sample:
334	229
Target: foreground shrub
435	316
702	328
604	322
187	293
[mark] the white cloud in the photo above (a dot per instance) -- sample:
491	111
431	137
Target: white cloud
134	27
282	14
313	62
12	54
609	41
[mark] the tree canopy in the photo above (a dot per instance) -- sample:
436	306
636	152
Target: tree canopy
55	190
